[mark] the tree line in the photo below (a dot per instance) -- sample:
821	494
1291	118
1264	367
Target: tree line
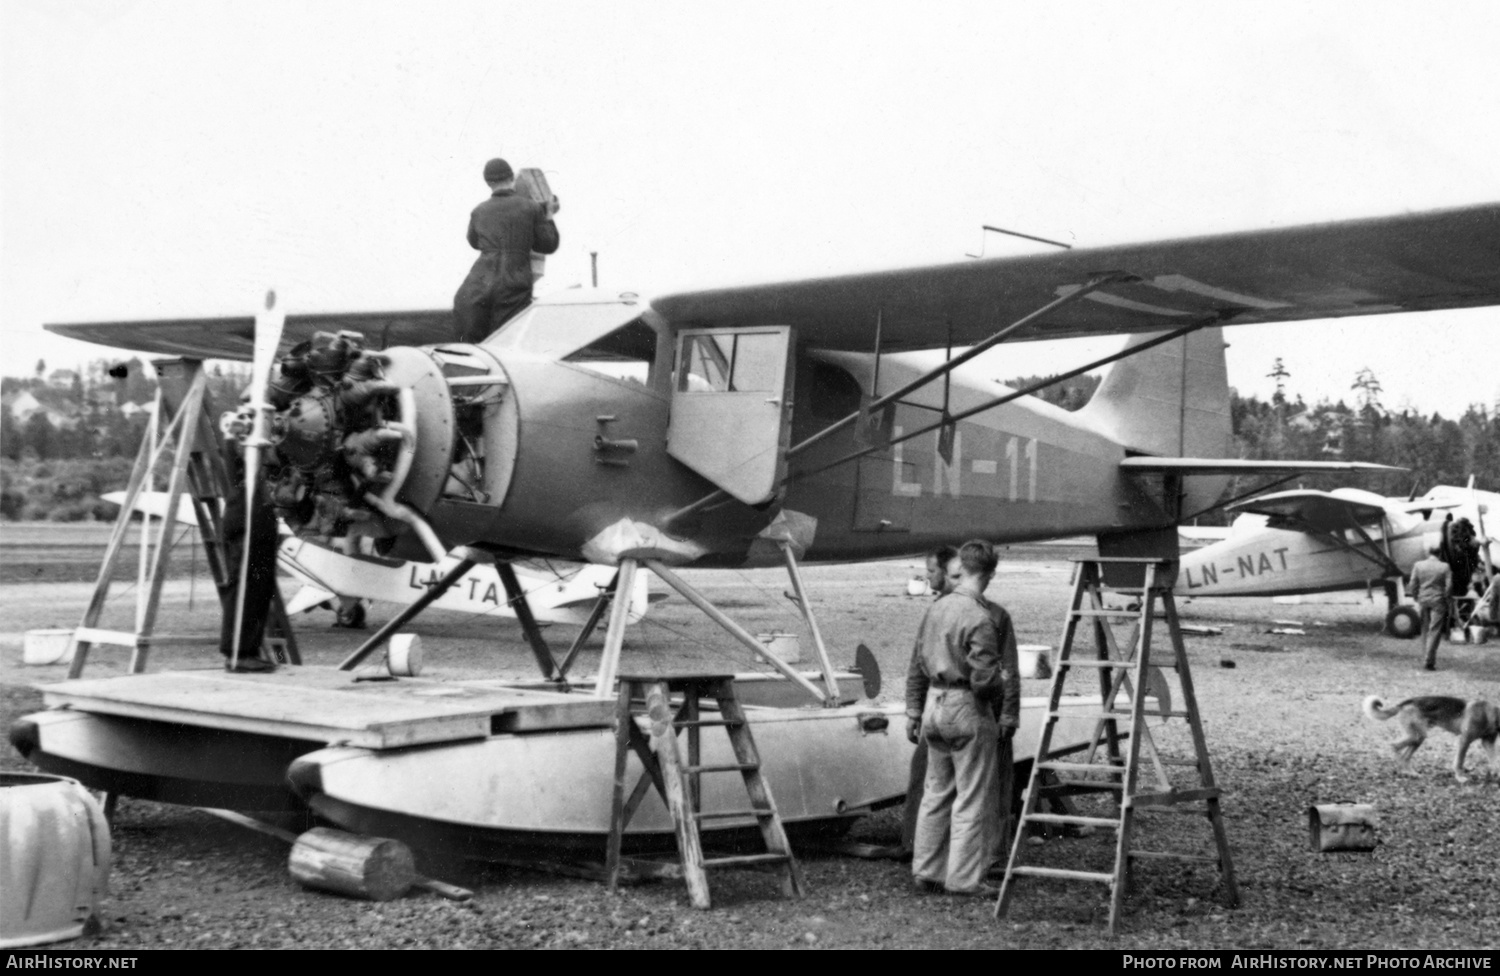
69	436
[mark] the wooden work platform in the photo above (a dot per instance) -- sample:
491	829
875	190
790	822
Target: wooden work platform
326	705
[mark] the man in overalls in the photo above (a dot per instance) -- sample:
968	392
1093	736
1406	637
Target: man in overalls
951	685
504	229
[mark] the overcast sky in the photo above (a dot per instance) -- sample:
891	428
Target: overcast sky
160	159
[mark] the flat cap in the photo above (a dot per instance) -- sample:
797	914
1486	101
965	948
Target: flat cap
498	171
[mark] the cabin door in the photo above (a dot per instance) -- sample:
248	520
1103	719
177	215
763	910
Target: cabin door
731	407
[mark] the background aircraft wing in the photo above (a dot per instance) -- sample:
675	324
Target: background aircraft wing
1312	511
233	337
1208	466
1414	262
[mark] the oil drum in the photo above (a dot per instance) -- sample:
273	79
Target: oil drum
54	859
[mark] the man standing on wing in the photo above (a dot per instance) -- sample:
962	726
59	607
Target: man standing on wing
504	229
951	685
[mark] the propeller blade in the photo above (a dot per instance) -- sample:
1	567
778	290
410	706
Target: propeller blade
269	324
1485	543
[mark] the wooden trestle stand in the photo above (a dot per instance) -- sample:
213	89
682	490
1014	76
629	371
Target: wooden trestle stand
678	782
181	428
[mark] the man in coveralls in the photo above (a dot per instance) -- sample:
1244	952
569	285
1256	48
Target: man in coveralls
940	585
1431	580
954	677
504	229
1008	717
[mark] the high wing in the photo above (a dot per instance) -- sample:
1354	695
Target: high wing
233	337
1308	510
1416	262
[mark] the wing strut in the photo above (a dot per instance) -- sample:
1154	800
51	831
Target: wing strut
601	603
998	401
1377	557
1094	284
517	598
422	603
1240	497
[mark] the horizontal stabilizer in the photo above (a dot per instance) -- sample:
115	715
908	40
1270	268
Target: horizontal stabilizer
1210	466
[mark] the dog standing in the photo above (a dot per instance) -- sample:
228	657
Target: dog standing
1471	721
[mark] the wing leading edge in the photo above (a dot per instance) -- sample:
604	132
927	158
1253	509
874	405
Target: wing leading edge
233	337
1415	262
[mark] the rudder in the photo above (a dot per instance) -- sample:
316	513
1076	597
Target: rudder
1170	401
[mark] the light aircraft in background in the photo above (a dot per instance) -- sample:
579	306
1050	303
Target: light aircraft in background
767	424
558	592
1308	541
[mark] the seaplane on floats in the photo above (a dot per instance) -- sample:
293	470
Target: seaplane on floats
759	425
1308	541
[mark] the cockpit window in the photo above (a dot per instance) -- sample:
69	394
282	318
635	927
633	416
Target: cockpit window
559	329
627	353
742	362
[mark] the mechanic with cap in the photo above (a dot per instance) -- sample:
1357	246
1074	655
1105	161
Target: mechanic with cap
504	229
951	685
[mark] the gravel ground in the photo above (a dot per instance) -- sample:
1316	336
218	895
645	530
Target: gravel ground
1283	724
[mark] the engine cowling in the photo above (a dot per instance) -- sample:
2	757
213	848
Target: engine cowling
380	444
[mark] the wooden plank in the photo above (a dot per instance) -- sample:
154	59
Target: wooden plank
323	705
96	635
745	860
688	844
1174	796
1038	872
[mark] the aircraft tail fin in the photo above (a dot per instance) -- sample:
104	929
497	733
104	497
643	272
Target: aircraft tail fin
1170	401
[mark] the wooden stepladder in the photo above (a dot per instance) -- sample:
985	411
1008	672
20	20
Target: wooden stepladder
180	428
1133	688
680	783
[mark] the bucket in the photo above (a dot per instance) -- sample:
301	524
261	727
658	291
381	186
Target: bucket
1034	660
54	865
917	586
1479	634
47	647
785	646
403	655
1458	635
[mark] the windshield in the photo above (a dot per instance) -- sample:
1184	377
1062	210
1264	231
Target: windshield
557	330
